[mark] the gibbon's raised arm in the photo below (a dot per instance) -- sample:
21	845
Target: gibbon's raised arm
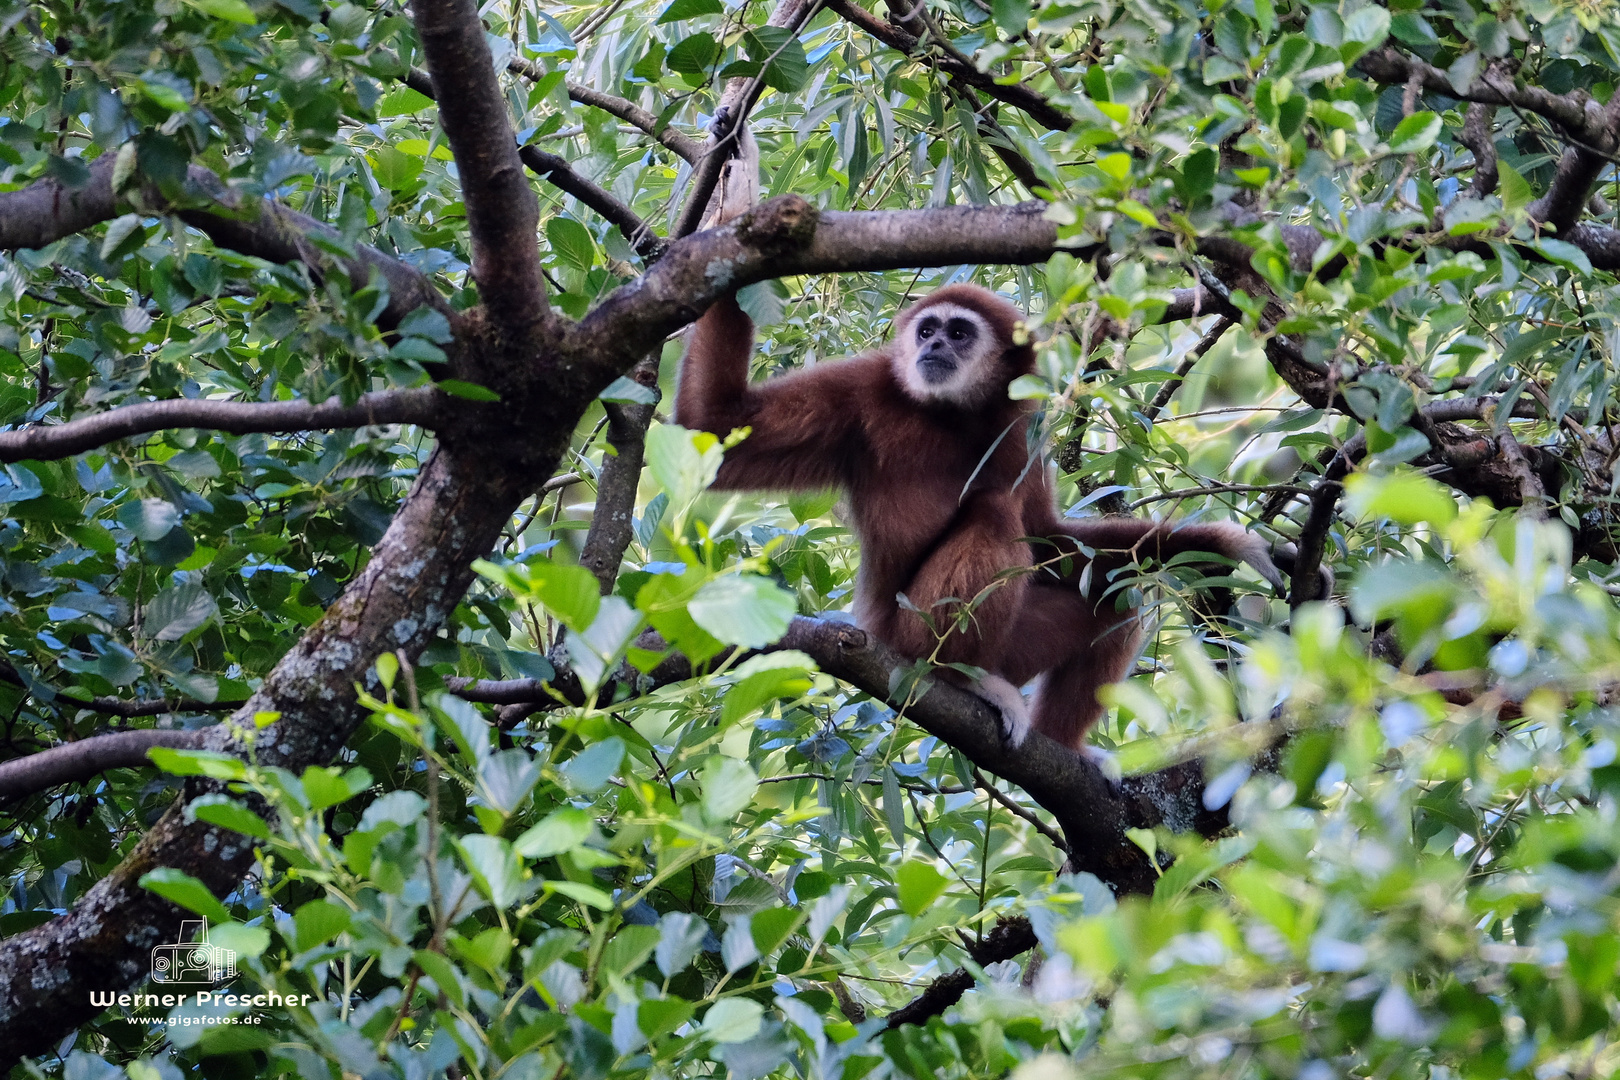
804	427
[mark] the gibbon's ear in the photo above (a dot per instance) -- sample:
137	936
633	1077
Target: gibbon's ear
738	189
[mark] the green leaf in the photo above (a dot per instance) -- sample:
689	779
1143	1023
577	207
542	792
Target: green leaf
627	391
660	1017
235	11
728	786
443	974
470	391
693	55
227	813
496	867
318	922
588	895
561	830
177	611
1012	16
1406	497
571	242
327	785
744	609
149	519
771	927
920	884
756	688
1515	189
210	763
244	941
181	888
688	9
1416	132
786	67
571	593
733	1020
589	770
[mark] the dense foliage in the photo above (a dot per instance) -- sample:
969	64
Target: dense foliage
745	873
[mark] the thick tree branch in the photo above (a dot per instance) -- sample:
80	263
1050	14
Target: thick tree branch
81	760
786	236
422	406
1019	96
503	215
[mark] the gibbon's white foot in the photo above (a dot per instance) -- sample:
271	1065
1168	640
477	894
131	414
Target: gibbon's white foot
1016	721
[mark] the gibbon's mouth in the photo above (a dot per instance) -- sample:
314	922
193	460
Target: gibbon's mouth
936	369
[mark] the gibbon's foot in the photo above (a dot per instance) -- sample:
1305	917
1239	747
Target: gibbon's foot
1287	557
1106	764
1254	550
1016	721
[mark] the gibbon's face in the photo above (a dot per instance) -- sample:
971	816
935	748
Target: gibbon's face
948	355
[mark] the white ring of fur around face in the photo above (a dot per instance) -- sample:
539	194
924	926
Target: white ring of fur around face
970	382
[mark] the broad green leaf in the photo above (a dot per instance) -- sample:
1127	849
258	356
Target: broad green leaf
920	885
149	519
496	866
1406	497
181	888
733	1020
1416	132
210	763
227	813
177	611
561	830
743	609
728	786
318	922
571	242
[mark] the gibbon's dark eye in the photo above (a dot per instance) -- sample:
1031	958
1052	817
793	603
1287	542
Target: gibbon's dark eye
960	330
925	332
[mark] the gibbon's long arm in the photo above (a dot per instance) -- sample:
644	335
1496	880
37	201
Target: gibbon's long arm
804	427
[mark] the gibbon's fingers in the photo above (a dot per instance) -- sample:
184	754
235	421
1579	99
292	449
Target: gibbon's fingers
1015	717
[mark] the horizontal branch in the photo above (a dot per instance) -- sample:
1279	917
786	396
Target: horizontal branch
786	236
75	761
1574	112
421	406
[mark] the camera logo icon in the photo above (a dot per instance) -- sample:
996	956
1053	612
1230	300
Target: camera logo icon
192	959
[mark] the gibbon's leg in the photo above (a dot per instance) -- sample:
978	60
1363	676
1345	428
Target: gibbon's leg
971	605
1079	643
1077	647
